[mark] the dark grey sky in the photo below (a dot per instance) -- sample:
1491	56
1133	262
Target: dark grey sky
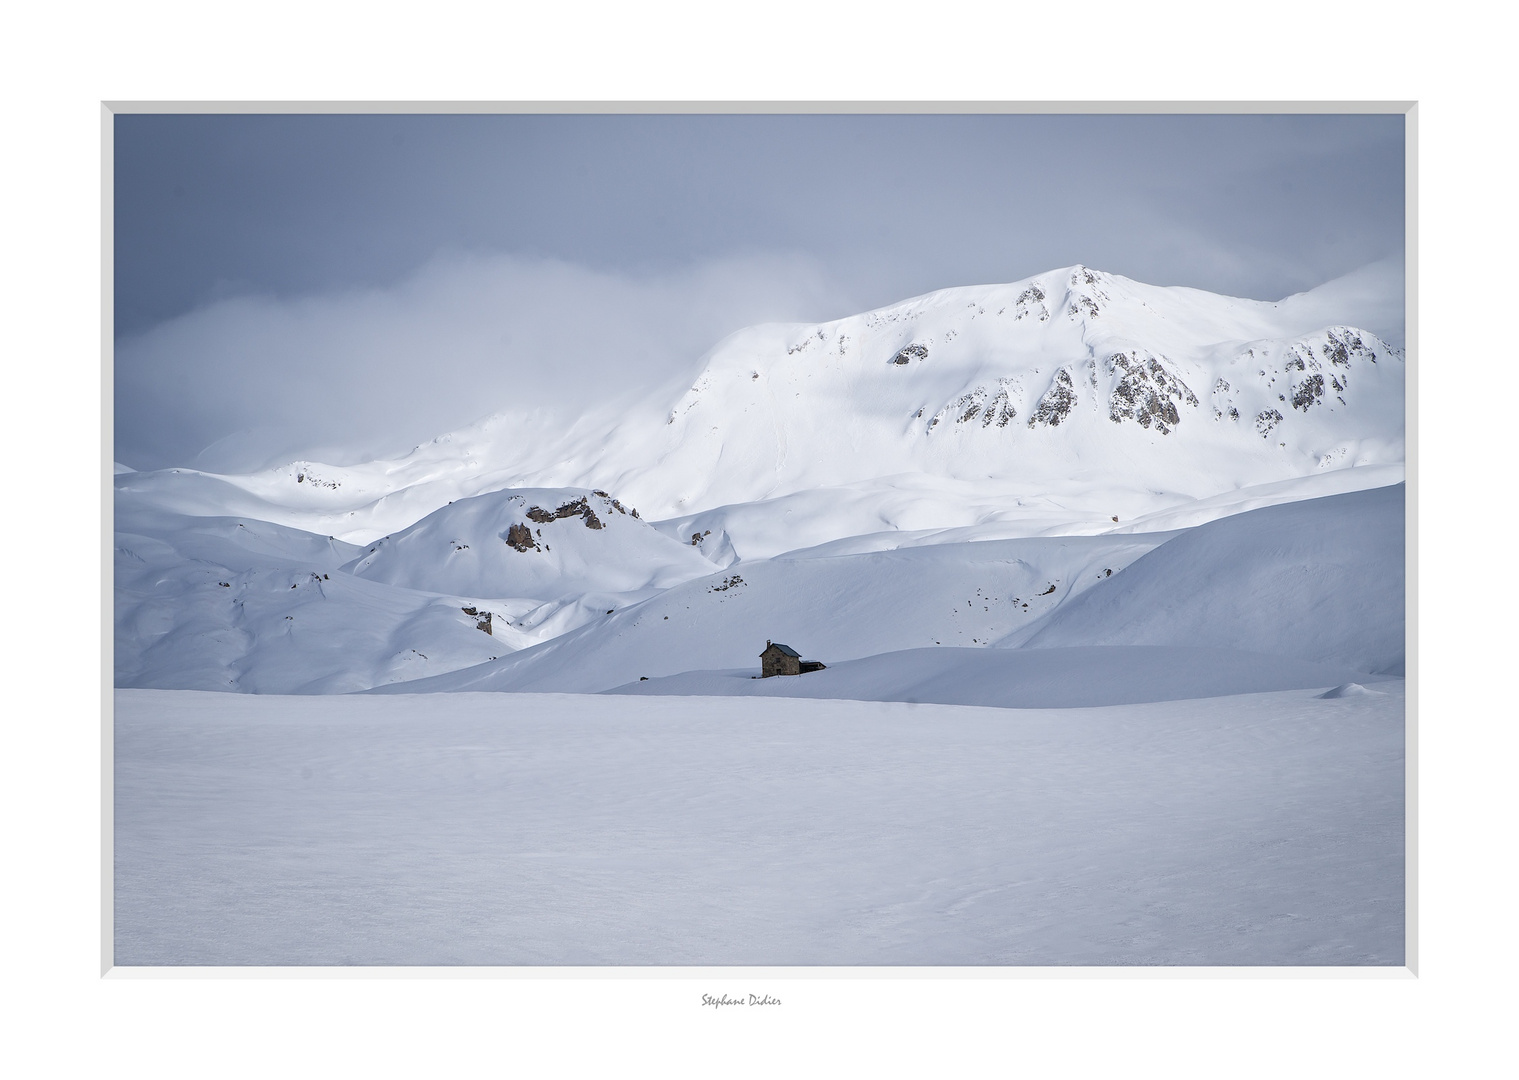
232	224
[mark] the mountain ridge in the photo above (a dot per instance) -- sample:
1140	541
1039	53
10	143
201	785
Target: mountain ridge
1017	388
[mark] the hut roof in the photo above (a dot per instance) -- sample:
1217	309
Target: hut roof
786	649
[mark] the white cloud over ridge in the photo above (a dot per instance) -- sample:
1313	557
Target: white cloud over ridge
246	381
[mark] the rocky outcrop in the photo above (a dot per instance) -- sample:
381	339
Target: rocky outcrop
984	405
1087	295
910	353
615	504
580	506
1223	401
1341	347
1343	343
1146	393
1306	393
482	619
520	537
305	474
1030	302
1057	402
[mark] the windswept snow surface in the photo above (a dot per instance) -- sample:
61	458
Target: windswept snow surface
1260	829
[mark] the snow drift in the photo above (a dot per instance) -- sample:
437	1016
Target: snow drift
1319	580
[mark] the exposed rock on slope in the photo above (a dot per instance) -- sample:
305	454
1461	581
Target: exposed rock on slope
534	542
1145	391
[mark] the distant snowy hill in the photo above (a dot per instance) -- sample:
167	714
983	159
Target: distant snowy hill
543	543
832	608
216	603
1316	585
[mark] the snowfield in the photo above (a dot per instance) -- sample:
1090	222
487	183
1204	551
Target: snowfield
527	829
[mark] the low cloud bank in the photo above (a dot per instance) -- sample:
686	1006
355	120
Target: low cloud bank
247	381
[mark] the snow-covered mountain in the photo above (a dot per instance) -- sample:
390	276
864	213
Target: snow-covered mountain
1073	381
1105	394
852	482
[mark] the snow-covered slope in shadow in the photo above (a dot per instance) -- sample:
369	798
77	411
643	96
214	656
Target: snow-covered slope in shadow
205	603
238	604
1319	580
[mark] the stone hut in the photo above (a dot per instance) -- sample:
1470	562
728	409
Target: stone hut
778	659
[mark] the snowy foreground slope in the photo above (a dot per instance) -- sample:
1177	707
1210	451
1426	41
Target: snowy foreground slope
574	829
